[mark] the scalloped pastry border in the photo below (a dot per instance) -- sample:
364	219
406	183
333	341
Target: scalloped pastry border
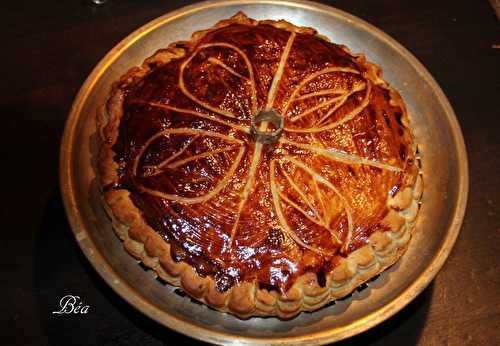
247	299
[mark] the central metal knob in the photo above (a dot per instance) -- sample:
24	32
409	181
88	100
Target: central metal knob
259	126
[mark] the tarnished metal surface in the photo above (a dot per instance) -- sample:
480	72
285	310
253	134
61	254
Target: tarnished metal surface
435	127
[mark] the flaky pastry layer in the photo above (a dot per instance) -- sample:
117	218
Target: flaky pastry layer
247	299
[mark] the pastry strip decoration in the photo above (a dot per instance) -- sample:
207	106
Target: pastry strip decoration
258	130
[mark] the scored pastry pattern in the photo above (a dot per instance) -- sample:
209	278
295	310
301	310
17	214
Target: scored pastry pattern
307	123
299	177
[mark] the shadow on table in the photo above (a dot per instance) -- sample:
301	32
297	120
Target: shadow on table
403	328
61	269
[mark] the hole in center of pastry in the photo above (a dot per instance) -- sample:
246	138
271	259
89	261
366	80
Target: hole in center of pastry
266	126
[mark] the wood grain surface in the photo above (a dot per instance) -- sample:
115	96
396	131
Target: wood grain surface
48	49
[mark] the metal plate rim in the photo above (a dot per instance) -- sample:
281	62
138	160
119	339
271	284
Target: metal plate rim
186	327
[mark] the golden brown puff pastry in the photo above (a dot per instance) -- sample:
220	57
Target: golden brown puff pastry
254	227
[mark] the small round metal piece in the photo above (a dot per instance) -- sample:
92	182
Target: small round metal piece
261	135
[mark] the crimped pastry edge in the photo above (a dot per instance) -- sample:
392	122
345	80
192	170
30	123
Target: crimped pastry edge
246	299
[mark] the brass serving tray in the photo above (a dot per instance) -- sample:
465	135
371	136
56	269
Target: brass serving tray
436	129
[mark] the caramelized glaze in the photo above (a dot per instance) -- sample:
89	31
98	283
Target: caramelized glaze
242	211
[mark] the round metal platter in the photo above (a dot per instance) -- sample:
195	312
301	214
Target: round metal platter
444	165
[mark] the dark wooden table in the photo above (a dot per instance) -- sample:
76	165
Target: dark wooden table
48	49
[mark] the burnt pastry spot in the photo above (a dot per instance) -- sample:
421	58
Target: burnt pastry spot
321	276
223	281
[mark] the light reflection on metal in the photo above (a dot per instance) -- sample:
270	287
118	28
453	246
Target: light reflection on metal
269	136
